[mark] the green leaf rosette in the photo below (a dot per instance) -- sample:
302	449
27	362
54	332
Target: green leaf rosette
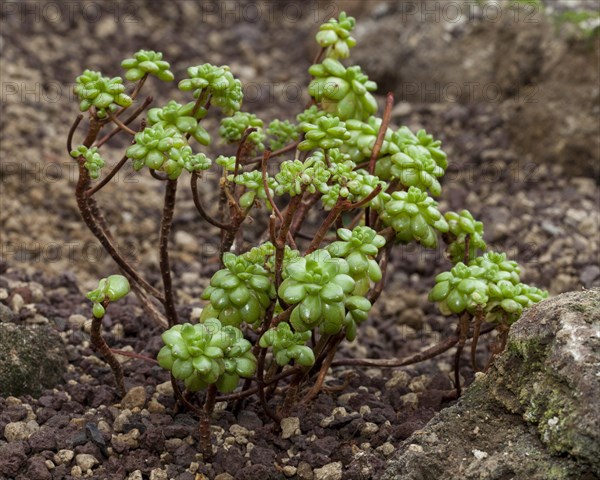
341	91
100	92
207	353
414	216
288	345
318	285
175	115
359	247
240	292
334	35
147	62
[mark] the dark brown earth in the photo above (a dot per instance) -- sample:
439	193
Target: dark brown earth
527	170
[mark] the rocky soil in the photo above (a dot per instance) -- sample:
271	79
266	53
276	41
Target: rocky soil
527	169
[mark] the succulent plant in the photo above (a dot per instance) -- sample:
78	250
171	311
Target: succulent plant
460	289
506	269
359	247
180	159
152	145
175	115
93	161
341	91
288	345
310	175
232	129
414	216
357	308
238	293
334	35
460	225
226	90
147	62
317	284
112	288
255	189
282	133
328	132
100	92
207	353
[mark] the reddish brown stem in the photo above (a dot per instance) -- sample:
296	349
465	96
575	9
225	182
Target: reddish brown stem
200	208
165	268
98	344
127	121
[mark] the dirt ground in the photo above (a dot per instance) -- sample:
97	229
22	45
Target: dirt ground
524	157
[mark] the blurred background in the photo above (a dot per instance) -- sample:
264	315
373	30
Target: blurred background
510	87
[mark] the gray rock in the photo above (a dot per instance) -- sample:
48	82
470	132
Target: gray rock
31	359
534	415
6	314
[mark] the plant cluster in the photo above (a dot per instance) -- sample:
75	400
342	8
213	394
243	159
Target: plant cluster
277	310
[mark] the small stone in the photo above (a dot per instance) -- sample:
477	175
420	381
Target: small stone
224	476
122	441
399	379
49	464
410	400
86	461
76	471
369	428
63	456
289	470
479	455
158	474
305	471
135	475
290	426
135	397
345	398
155	406
76	321
17	431
386	449
331	471
364	410
121	420
589	274
6	314
419	384
240	433
413	447
165	389
17	303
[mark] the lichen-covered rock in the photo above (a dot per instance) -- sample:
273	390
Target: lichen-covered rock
31	359
534	415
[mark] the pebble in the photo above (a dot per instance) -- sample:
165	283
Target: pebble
289	470
479	455
135	475
134	398
386	449
165	389
224	476
85	461
290	427
158	474
589	274
399	379
121	420
63	456
17	431
304	471
337	413
77	321
240	433
331	471
410	400
121	441
6	314
17	303
369	428
76	471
